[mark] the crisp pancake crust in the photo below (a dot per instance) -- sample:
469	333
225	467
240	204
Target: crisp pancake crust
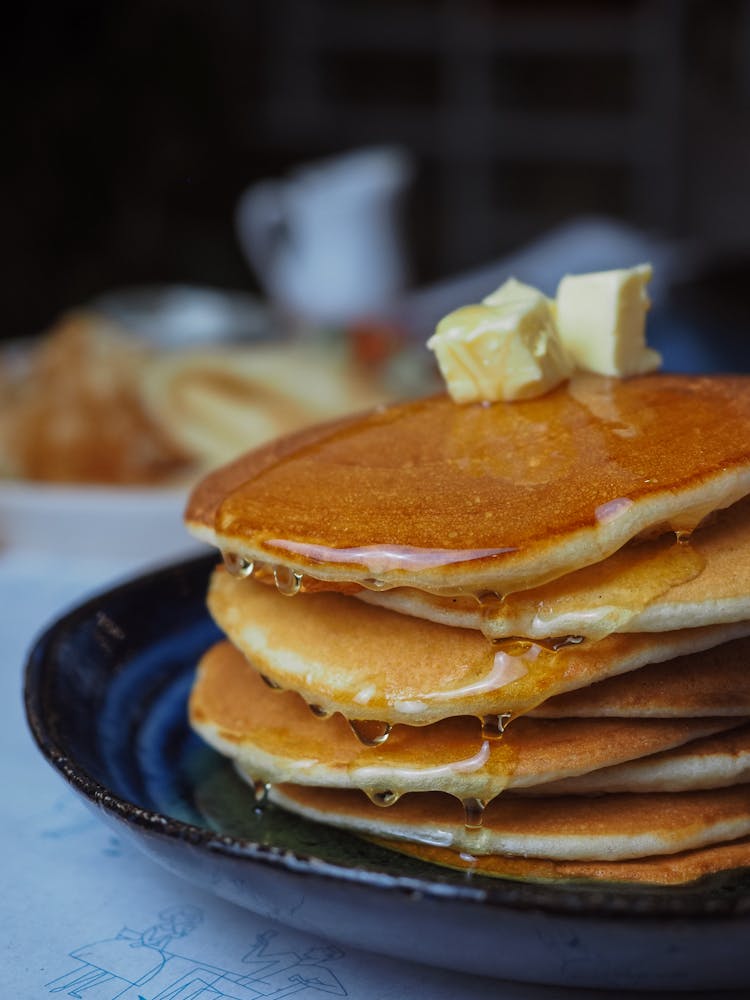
434	495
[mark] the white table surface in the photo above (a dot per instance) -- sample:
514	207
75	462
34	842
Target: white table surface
75	898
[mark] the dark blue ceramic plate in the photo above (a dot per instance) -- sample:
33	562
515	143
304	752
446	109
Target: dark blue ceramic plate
106	691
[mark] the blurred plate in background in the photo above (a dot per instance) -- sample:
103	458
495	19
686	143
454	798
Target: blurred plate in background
130	526
186	315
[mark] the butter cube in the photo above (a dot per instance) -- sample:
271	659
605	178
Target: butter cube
513	290
601	319
503	351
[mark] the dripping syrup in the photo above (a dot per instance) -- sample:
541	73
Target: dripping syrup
473	812
238	565
288	581
370	734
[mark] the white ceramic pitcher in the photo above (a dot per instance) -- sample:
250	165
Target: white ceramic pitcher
325	242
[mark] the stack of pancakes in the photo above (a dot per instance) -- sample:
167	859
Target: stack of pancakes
518	635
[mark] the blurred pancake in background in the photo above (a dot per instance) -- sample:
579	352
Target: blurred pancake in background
91	403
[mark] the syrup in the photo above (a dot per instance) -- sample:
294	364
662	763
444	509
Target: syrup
382	798
261	790
238	565
319	712
473	812
288	582
494	725
370	734
269	682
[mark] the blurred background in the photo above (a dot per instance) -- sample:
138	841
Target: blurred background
338	174
134	129
249	171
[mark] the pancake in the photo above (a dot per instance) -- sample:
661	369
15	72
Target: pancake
648	587
566	828
581	559
370	663
713	762
665	869
713	682
263	731
506	497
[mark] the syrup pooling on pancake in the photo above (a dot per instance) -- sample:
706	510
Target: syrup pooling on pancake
572	486
373	664
645	586
265	732
591	602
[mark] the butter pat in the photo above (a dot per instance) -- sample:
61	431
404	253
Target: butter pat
513	290
504	349
601	319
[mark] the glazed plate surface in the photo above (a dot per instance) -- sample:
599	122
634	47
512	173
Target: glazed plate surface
106	697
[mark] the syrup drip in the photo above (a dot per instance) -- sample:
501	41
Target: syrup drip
559	642
288	582
470	861
493	726
237	565
372	583
383	798
319	712
370	734
488	599
261	790
473	813
683	537
274	685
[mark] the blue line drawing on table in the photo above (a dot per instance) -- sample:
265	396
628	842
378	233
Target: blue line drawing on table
130	958
137	965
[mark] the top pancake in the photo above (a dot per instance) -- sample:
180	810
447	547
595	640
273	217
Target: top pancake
447	498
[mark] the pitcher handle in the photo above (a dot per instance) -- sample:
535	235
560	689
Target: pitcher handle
261	225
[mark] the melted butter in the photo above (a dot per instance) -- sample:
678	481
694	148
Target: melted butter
354	496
